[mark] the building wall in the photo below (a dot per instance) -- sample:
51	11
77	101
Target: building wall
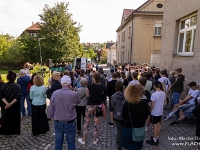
111	56
124	46
144	41
152	6
174	11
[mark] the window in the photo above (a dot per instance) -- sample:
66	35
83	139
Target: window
187	31
157	30
118	38
129	32
124	35
118	55
159	5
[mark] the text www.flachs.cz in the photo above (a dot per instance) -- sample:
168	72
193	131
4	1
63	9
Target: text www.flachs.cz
186	144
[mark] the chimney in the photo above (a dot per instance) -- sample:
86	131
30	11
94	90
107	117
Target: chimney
32	22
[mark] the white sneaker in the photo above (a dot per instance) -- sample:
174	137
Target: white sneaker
81	141
146	129
95	142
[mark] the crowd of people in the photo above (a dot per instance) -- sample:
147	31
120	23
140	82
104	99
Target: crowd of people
137	94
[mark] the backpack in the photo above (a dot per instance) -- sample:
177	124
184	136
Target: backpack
89	79
103	80
78	84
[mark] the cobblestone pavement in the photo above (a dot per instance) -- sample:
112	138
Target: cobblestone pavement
106	136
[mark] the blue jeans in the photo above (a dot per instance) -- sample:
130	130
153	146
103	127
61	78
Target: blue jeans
175	98
119	126
65	128
28	105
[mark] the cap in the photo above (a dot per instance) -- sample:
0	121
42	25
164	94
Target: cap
192	83
65	80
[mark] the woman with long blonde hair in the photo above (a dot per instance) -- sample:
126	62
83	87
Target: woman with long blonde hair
135	113
38	95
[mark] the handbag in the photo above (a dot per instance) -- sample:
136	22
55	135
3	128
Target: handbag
99	111
138	134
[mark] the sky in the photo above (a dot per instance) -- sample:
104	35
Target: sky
99	18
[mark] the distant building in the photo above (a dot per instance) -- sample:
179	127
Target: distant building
180	38
139	35
34	29
111	52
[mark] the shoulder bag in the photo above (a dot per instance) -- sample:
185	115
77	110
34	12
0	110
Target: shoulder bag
99	111
138	134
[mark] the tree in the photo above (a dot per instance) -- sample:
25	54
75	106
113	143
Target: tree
61	34
8	53
28	48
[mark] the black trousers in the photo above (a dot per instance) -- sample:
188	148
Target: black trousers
39	120
79	110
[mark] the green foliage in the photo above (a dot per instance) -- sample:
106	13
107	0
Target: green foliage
89	53
28	48
61	34
8	49
103	55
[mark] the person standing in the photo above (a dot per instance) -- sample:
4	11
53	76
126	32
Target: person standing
135	79
177	86
196	113
70	66
38	95
117	103
10	94
110	90
56	81
80	108
157	102
95	93
97	66
27	68
62	110
135	113
23	81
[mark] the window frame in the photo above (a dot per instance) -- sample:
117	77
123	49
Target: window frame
158	25
184	31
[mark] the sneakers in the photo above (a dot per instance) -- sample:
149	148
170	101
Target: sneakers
111	125
151	142
174	123
146	129
81	141
152	139
95	142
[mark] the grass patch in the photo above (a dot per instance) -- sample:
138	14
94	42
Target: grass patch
5	72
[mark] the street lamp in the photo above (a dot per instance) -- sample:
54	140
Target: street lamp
40	53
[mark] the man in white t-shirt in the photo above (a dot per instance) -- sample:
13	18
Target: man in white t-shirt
186	105
165	80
